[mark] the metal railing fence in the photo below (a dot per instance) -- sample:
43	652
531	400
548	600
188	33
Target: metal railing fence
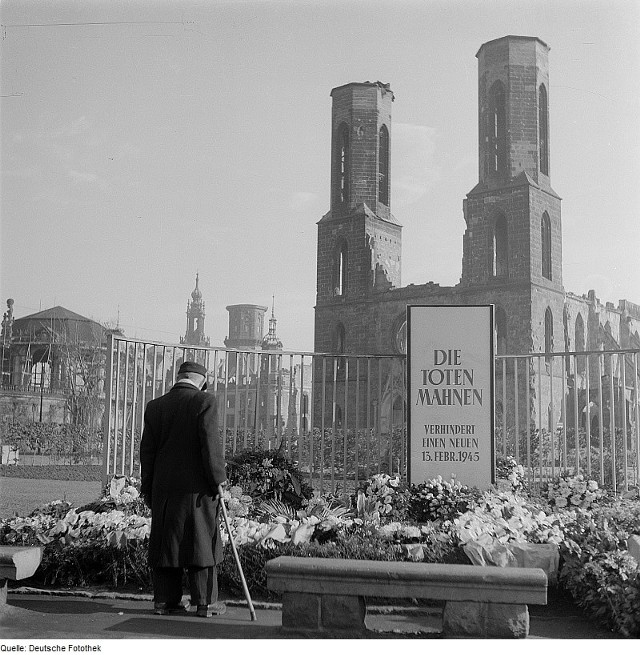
341	418
574	412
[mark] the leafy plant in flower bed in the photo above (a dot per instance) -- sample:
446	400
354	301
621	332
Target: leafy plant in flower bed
439	500
601	577
571	491
507	468
382	497
268	474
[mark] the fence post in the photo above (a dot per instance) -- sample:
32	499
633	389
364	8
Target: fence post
106	443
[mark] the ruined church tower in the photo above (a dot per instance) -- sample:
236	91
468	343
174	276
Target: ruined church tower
359	240
512	245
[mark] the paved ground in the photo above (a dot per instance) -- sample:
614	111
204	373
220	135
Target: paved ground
38	616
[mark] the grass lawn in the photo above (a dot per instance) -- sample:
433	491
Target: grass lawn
22	495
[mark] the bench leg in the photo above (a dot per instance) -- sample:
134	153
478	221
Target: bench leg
485	620
316	612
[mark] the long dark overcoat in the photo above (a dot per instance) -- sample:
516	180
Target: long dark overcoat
182	465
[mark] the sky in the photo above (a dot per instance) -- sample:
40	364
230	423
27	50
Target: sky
145	141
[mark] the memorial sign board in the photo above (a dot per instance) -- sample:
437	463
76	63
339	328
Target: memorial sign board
450	389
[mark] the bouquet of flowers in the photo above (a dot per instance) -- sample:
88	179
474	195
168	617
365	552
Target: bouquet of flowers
572	491
439	500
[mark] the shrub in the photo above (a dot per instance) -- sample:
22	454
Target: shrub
80	472
49	437
601	577
264	474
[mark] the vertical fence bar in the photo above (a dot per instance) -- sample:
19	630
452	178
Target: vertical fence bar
356	439
174	359
587	412
540	431
405	419
268	399
637	416
225	402
504	407
601	416
279	430
236	401
527	413
108	394
368	408
564	408
391	387
333	425
258	423
124	409
300	423
164	370
516	408
345	425
612	425
312	397
552	421
289	427
134	401
215	373
253	400
379	417
245	412
144	391
117	409
322	415
576	418
154	371
622	360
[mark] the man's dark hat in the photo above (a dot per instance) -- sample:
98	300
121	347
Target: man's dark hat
192	367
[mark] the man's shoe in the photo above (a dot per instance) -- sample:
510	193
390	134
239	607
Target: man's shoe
162	609
214	609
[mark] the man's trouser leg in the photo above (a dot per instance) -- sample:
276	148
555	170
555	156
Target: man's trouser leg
167	586
203	584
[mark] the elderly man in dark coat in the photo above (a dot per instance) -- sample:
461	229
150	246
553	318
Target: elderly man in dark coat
183	471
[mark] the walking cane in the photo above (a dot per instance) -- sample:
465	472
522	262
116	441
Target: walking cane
235	555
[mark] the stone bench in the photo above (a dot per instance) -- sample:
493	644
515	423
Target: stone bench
17	563
480	601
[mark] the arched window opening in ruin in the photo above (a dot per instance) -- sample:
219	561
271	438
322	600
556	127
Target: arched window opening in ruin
340	269
398	411
338	415
497	129
498	248
342	165
548	334
501	331
545	235
543	127
383	166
